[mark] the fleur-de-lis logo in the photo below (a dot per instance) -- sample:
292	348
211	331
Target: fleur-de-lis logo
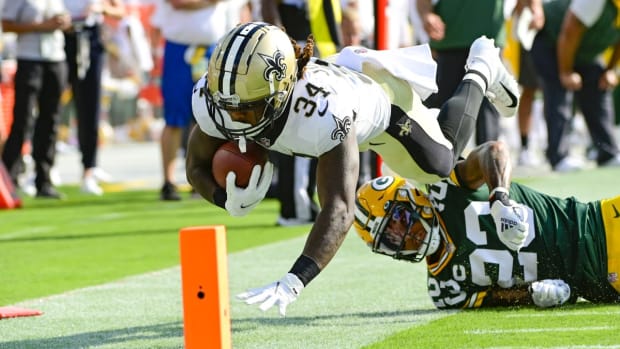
342	127
405	128
275	66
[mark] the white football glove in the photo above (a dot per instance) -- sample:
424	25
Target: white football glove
240	201
282	292
511	223
549	292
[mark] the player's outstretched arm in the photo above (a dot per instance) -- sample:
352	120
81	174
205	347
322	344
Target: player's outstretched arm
490	163
337	174
543	293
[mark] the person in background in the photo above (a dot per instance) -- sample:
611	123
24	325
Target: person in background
189	29
567	56
296	175
452	26
528	80
526	21
85	58
2	134
39	81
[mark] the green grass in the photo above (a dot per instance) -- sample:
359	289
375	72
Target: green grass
361	300
580	325
49	247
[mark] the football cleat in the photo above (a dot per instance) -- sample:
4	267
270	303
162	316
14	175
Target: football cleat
502	88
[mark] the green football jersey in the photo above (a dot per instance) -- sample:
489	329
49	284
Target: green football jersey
566	241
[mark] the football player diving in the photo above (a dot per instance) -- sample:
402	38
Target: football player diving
262	87
572	249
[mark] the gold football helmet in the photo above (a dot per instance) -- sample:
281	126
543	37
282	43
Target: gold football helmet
252	66
394	218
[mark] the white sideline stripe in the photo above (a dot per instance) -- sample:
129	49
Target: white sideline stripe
533	330
25	232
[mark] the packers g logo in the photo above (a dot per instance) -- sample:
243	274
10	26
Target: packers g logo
275	66
382	183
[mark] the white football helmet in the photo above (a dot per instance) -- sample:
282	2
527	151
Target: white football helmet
394	218
252	67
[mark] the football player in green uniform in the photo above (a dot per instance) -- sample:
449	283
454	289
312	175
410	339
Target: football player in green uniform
572	250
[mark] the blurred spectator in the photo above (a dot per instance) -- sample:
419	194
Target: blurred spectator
567	56
189	28
296	175
452	26
39	81
85	58
2	116
528	80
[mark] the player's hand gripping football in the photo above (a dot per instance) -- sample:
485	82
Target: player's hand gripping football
549	292
282	293
510	220
240	201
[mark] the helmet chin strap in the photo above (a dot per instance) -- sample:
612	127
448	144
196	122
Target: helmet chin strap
242	144
432	238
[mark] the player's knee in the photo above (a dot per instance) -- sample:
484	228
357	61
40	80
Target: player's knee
442	165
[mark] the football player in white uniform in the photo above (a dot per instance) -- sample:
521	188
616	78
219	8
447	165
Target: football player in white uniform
262	87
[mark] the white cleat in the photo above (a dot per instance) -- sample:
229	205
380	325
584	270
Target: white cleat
503	90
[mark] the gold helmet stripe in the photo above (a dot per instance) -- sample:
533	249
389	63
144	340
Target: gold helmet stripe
233	53
364	218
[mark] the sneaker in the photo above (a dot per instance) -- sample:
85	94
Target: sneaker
502	88
49	192
291	222
90	186
527	158
101	175
568	164
169	192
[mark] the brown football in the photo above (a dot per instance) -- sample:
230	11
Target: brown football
228	158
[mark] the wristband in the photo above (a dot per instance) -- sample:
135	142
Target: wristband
219	197
501	194
305	269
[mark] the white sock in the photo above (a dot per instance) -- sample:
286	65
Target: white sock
477	78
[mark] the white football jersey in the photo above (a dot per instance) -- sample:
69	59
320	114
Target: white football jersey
330	101
322	109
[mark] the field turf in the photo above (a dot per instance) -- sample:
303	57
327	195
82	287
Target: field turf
105	273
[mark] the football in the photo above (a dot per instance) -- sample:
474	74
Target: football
228	158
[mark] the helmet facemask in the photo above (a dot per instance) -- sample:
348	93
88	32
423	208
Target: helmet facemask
394	218
253	68
404	234
218	107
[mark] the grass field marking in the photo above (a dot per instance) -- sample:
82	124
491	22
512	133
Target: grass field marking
564	313
26	232
533	330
